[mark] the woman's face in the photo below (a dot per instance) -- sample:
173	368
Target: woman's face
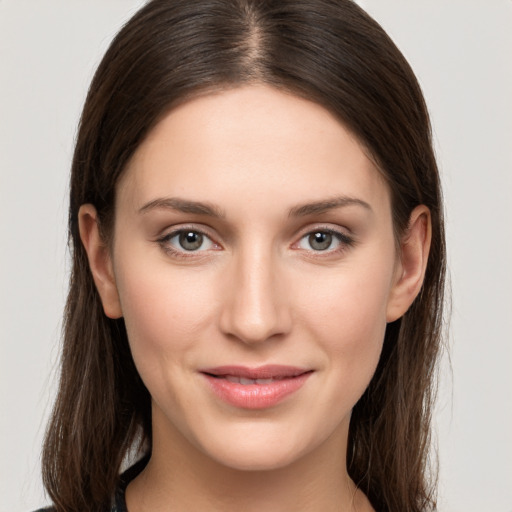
255	262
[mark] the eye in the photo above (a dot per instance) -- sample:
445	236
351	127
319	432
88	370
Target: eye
187	240
320	241
324	240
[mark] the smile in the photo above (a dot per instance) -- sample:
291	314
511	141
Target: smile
255	388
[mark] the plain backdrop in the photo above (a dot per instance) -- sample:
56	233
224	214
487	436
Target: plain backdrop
461	51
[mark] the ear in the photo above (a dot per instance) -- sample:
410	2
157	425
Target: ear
100	260
412	264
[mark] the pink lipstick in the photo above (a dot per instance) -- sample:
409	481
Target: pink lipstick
255	388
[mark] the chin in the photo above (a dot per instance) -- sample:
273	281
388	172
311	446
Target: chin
260	449
256	460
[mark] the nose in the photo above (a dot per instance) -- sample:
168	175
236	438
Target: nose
256	306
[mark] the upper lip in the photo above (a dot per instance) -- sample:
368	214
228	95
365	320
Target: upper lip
269	371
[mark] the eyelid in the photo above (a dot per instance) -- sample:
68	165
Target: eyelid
345	240
166	236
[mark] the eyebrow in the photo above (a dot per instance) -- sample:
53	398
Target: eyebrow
182	205
202	208
327	205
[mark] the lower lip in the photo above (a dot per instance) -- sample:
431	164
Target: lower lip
256	396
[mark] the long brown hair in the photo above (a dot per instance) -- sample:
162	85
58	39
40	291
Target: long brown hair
329	51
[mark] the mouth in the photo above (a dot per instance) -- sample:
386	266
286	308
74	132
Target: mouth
255	388
248	382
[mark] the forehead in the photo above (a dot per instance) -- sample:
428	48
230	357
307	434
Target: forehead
248	143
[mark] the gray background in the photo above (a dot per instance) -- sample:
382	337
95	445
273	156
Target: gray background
461	52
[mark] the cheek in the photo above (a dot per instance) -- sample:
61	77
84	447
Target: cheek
347	315
349	303
164	313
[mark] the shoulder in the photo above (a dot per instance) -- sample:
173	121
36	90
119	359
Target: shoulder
119	504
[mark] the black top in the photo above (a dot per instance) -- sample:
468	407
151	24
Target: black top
119	502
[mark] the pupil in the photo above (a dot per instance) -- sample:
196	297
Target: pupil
191	241
320	241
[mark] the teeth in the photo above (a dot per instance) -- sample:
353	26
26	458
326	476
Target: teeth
247	382
264	381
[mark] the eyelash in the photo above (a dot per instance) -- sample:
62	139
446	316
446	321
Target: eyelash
164	242
345	242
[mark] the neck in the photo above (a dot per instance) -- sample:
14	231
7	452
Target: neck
179	478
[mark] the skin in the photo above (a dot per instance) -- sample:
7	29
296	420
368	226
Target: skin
258	291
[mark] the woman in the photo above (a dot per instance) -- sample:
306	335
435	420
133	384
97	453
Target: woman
258	268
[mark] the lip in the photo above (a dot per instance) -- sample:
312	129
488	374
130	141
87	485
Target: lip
279	382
